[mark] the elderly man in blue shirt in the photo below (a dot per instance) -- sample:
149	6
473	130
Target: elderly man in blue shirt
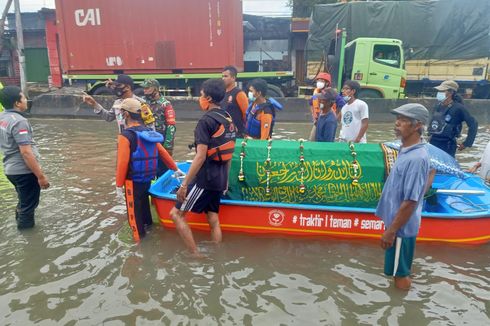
400	205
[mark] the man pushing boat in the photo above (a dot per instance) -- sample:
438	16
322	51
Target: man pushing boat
207	178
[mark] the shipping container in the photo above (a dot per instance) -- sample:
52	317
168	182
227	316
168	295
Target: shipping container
149	36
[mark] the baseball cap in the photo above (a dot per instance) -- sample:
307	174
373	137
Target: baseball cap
447	85
328	95
125	80
413	110
131	105
151	83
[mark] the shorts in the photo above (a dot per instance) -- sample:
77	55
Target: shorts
405	259
200	200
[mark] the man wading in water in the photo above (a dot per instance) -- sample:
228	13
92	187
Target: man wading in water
400	205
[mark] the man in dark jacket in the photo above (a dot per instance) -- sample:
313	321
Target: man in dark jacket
447	118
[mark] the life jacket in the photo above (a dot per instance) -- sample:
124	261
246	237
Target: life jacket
230	104
442	125
222	143
144	160
146	114
253	124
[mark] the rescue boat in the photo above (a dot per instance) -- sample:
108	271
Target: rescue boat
457	212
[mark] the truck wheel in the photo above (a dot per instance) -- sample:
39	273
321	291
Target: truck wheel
274	91
369	93
103	91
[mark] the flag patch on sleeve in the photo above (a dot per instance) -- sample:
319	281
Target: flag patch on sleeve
23	132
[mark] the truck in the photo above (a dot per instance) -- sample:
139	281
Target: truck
441	39
179	43
376	63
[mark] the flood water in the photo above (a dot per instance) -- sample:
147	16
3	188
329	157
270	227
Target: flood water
77	266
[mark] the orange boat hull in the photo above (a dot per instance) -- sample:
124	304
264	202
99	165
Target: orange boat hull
308	223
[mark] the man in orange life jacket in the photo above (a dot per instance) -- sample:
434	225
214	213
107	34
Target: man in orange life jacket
138	150
261	113
207	177
235	101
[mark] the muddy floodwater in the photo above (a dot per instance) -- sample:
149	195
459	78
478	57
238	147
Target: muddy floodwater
79	266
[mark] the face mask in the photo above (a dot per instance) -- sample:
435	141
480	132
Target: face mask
251	97
119	91
322	106
151	96
346	98
441	96
320	84
204	103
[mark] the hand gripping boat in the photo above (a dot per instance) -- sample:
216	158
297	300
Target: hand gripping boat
331	189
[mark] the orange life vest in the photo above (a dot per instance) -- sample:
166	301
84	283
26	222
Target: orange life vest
222	143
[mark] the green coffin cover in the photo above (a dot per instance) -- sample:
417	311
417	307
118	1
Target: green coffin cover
328	173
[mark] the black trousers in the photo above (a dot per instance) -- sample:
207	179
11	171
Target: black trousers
446	144
138	205
28	192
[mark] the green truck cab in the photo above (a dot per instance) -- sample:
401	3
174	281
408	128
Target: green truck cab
378	65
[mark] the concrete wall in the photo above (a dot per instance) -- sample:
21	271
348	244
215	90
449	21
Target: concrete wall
295	109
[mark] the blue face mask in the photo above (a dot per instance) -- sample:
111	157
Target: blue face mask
441	96
251	97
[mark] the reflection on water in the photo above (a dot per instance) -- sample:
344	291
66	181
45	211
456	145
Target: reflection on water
75	268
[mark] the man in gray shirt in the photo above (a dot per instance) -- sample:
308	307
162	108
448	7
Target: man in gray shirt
20	155
123	89
400	205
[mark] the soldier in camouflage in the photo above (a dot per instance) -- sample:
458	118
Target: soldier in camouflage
164	115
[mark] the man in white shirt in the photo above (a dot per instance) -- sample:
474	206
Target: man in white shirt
354	115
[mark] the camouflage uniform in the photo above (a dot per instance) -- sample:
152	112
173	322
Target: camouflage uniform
164	120
164	115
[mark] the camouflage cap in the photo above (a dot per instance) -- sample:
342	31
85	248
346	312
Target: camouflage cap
151	83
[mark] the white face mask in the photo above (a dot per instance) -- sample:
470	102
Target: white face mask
251	97
347	98
320	84
441	96
321	106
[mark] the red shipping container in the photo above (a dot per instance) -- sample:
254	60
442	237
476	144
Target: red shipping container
149	36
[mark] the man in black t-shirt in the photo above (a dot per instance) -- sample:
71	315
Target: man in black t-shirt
235	101
208	174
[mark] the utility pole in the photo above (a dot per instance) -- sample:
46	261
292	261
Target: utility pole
2	23
20	48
